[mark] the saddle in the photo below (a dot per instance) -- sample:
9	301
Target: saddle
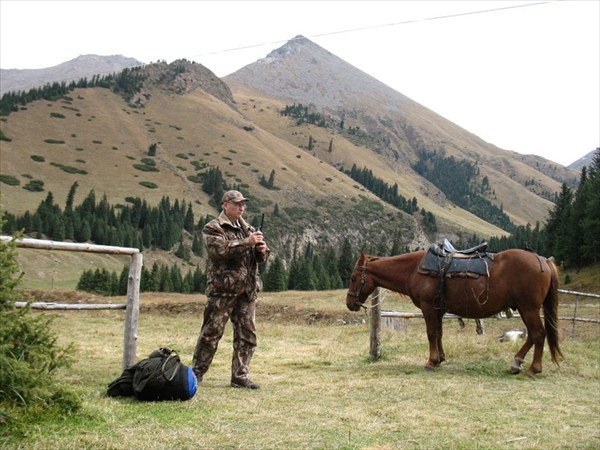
443	260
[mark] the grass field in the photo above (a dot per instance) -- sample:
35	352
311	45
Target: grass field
320	390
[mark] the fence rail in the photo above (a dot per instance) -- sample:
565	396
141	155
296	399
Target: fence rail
65	306
132	308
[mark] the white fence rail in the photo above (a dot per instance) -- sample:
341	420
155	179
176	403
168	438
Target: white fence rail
132	308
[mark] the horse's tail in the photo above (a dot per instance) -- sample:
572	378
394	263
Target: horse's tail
551	313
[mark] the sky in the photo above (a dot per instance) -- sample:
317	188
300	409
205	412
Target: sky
524	76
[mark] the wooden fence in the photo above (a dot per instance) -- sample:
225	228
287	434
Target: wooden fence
132	308
390	318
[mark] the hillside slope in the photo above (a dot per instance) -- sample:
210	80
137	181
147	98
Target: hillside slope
97	133
399	128
101	141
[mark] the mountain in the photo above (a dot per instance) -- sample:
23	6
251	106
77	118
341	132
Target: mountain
400	131
84	66
583	161
195	122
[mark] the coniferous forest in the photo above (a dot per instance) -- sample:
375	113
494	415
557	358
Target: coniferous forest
571	235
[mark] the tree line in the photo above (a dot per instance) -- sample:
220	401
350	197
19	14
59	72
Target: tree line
458	180
302	114
382	189
135	224
127	82
571	234
160	278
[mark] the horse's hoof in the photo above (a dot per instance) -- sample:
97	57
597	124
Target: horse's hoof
428	368
531	373
516	366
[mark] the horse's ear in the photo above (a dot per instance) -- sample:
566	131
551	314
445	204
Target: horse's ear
361	258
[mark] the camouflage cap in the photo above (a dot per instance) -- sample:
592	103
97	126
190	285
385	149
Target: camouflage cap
233	196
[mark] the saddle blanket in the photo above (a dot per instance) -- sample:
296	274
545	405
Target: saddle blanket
473	266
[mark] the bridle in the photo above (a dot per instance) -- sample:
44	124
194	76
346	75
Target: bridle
363	280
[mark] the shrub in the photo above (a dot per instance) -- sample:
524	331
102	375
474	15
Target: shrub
149	184
38	158
69	169
145	168
34	186
29	354
9	179
53	141
57	115
3	137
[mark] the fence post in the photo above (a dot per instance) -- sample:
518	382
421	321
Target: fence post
575	314
132	311
375	350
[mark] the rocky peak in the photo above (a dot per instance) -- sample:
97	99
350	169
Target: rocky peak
181	77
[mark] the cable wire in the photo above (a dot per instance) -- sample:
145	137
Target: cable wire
393	24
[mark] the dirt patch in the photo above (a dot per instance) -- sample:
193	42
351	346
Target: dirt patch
180	304
264	312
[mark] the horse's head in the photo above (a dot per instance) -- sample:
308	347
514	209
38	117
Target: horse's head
361	285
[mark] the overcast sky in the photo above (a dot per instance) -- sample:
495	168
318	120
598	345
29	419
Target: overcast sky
524	76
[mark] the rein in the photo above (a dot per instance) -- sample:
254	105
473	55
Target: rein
379	294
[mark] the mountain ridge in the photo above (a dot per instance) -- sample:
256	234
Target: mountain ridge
106	136
83	66
401	127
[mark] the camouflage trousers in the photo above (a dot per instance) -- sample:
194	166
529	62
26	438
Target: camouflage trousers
216	314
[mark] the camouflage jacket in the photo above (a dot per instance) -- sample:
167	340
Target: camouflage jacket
232	263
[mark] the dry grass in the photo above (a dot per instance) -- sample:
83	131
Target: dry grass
105	137
319	389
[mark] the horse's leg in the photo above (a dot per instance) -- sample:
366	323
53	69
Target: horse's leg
536	336
440	347
479	323
461	322
433	322
517	364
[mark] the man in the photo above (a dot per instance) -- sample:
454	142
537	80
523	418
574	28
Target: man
234	250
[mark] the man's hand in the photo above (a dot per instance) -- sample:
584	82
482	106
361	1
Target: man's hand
255	238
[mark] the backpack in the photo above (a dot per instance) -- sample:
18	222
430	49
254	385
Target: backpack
161	376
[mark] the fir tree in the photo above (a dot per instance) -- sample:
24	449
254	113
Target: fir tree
346	262
275	280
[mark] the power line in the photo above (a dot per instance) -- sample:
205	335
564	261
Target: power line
393	24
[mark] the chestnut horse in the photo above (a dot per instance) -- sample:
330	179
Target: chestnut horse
518	279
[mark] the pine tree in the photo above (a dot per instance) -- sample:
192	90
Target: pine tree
199	280
306	277
275	280
188	222
71	198
123	280
197	246
346	262
271	182
574	230
556	225
590	247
